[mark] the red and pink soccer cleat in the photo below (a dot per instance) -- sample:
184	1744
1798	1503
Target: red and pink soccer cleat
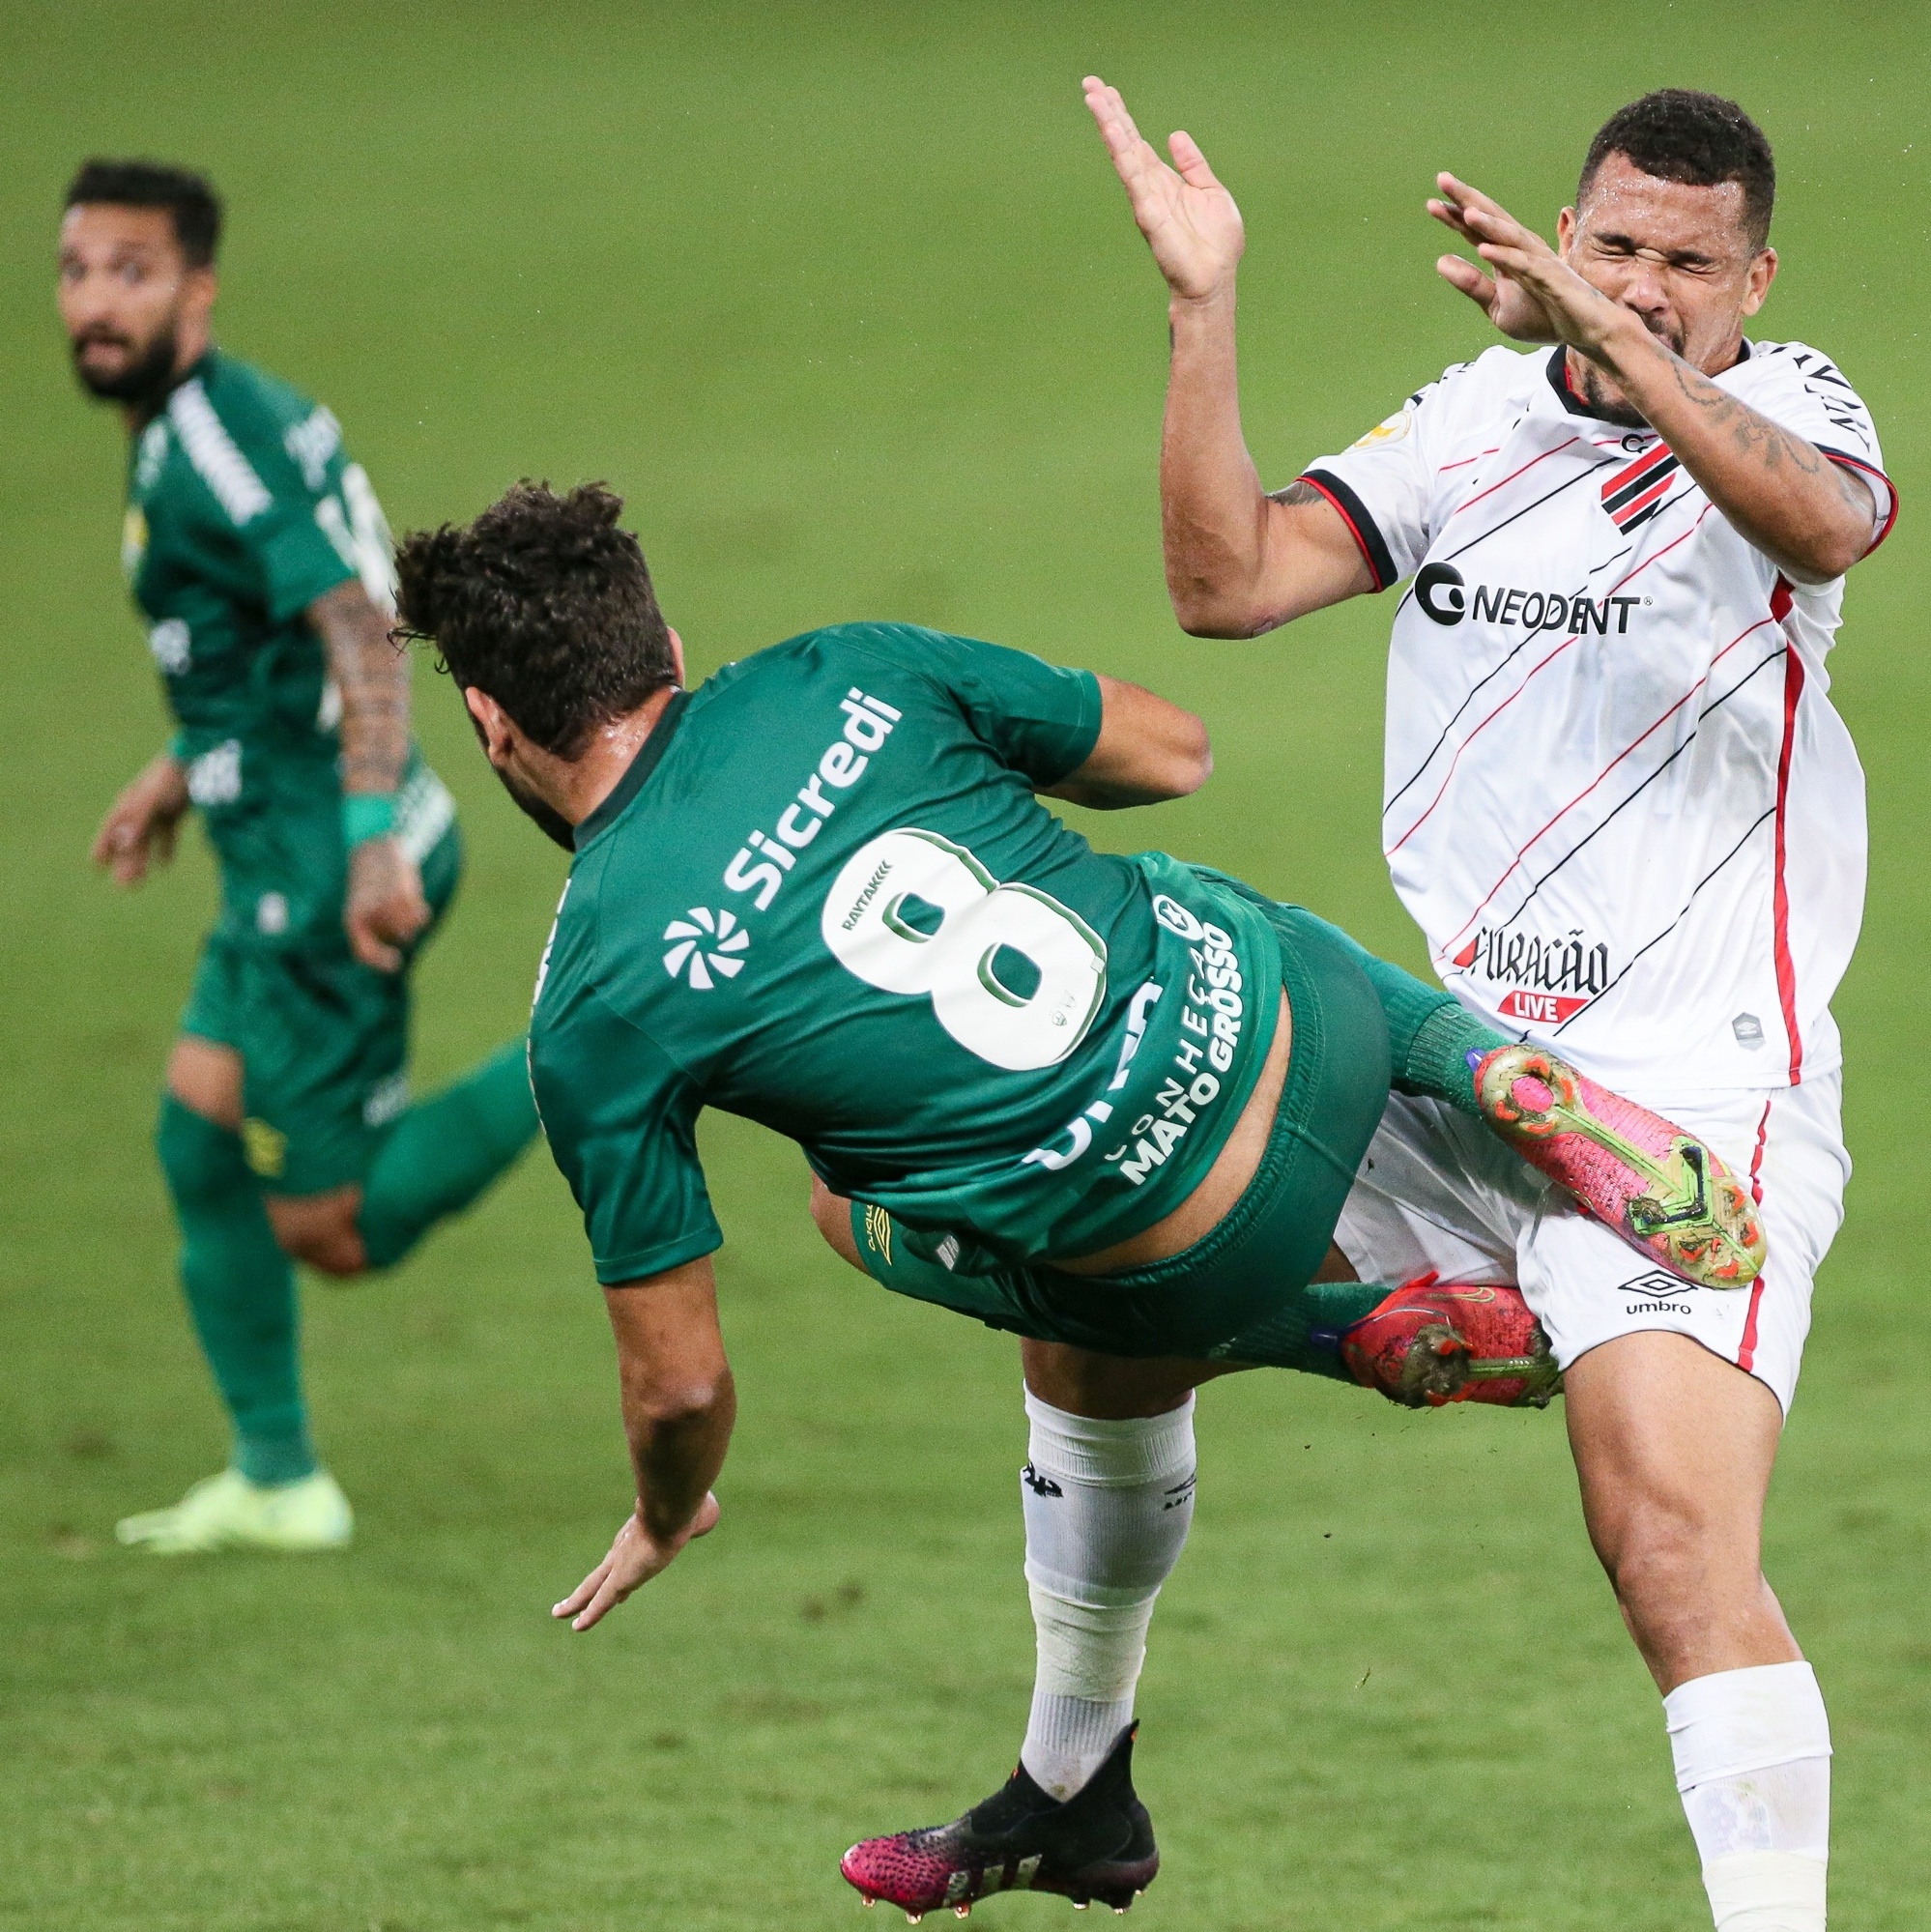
1663	1191
1426	1346
1097	1845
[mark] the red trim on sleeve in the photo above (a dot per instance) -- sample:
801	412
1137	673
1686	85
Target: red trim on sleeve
1353	529
1871	469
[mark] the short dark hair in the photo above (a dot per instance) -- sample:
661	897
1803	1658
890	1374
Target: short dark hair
195	207
1702	139
544	605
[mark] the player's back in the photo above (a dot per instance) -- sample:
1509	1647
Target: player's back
825	897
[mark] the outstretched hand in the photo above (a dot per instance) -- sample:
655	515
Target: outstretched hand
1533	296
1189	219
635	1557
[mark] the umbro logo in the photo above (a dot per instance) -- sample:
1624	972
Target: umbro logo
704	943
1661	1287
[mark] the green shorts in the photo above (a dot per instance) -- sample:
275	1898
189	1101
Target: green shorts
323	1042
1267	1249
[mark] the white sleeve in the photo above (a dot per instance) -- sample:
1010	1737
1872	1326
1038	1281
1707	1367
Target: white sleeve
1801	389
1385	484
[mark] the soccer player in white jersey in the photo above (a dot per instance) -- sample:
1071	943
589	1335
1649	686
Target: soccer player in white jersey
1625	814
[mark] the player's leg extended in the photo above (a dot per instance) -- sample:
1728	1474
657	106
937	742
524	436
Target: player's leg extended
354	1176
445	1151
1662	1190
241	1294
1674	1447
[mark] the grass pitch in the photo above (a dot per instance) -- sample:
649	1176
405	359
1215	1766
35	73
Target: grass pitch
846	301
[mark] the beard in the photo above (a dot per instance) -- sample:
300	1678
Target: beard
547	820
1595	386
146	377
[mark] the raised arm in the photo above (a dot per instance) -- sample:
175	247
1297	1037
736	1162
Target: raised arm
1238	561
678	1406
385	908
1149	750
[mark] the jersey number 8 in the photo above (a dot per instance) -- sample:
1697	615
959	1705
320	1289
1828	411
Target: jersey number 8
1013	976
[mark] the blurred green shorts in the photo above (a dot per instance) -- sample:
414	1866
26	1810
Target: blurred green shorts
323	1042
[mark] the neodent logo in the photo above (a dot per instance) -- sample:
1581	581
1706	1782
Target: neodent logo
1443	593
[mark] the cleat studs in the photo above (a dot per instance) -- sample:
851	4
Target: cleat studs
868	1903
1080	1904
961	1912
912	1917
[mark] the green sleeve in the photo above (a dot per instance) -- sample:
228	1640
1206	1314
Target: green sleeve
294	524
1039	719
621	1121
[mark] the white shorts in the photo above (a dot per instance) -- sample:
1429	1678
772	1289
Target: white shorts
1439	1191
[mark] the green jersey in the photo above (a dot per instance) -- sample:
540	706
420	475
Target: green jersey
824	897
243	508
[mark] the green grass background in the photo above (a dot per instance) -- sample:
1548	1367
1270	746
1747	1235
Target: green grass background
845	298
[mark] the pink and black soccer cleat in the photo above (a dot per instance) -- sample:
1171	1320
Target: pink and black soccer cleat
1426	1346
1663	1191
1097	1845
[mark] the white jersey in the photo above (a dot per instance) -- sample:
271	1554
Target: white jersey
1617	801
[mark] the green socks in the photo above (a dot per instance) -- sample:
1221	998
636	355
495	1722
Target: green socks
1433	1042
443	1152
1303	1332
238	1284
240	1292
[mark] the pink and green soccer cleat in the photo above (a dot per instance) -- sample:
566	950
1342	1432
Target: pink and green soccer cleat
1426	1346
1663	1191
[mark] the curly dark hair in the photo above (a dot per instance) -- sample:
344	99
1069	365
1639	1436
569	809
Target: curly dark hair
544	605
192	204
1702	139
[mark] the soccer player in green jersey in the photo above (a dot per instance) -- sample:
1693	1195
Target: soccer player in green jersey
259	559
1113	1105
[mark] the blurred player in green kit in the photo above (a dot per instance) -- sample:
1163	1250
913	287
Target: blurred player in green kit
259	561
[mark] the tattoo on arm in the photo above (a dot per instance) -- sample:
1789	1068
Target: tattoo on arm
1747	429
372	674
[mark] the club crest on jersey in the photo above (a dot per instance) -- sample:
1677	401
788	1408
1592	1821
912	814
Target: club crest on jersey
1635	493
705	943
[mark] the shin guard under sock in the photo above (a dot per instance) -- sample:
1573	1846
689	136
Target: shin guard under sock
443	1152
1107	1507
1752	1752
1433	1043
240	1292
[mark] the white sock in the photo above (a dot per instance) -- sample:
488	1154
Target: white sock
1752	1752
1107	1506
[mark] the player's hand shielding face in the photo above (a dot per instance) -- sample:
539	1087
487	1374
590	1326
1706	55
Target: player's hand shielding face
1533	296
635	1557
1189	219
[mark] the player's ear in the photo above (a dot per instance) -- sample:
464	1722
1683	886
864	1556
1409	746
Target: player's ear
1763	271
1565	231
495	731
678	656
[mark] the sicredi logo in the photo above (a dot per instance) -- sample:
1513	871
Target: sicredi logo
1443	593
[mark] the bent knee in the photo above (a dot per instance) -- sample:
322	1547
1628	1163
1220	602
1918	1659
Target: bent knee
321	1230
832	1214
